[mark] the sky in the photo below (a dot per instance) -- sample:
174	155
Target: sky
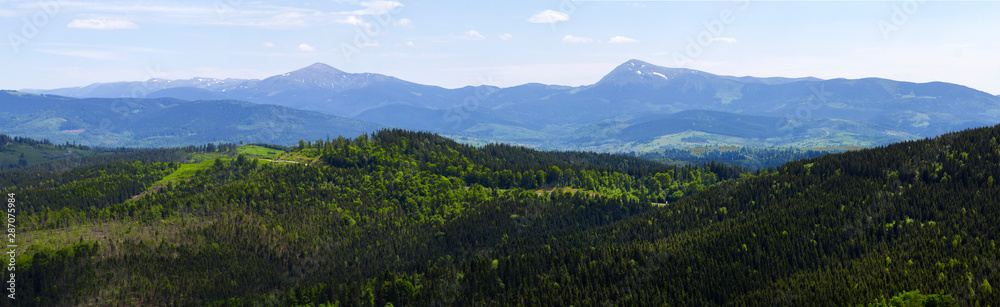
62	43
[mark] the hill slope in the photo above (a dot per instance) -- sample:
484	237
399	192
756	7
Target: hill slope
414	219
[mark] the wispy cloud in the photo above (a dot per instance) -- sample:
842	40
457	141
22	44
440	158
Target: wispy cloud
101	24
369	44
352	20
548	16
577	39
306	48
288	19
622	40
88	54
376	7
729	40
506	36
404	22
472	34
268	44
251	14
970	45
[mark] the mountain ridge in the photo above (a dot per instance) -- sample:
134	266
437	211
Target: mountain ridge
548	116
162	122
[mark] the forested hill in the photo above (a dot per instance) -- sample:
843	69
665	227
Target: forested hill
207	224
412	219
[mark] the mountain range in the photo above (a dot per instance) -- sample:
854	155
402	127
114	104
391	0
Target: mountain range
638	106
164	122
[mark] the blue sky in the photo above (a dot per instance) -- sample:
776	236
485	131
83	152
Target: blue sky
50	43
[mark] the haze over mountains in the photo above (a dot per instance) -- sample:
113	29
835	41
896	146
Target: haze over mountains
637	106
164	122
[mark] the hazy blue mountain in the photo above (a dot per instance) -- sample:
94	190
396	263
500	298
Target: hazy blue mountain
770	80
636	87
807	111
139	89
188	93
161	122
701	126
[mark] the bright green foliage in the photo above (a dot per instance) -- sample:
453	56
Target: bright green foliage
413	219
915	299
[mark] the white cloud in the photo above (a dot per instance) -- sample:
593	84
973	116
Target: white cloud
101	24
411	44
306	48
548	16
577	39
622	40
237	13
285	19
352	20
724	40
472	34
377	7
268	44
506	36
405	22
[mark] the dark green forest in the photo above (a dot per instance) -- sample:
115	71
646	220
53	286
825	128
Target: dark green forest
400	218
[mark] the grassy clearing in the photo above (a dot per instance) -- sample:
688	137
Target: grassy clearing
186	171
254	151
298	157
201	156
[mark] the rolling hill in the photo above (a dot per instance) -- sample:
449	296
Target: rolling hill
407	218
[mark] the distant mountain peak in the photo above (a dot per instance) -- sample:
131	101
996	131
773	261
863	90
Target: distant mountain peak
317	74
634	62
317	69
320	76
640	71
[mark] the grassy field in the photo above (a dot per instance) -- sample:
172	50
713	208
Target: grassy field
253	151
185	171
203	161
